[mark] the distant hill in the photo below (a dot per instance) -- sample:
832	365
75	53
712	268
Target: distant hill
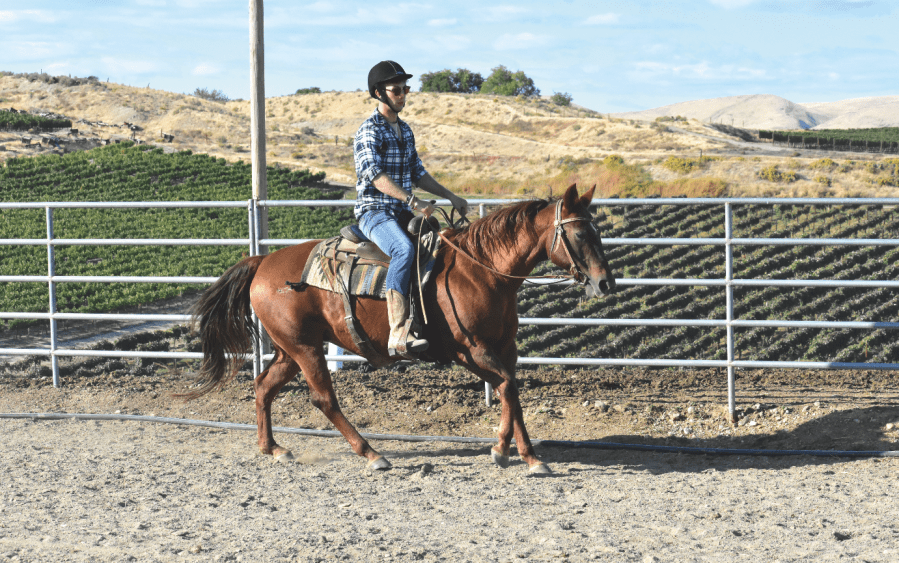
766	111
858	113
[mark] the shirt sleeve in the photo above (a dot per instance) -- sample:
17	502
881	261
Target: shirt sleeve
369	163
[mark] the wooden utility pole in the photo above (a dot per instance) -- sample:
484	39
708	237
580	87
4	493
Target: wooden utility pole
257	113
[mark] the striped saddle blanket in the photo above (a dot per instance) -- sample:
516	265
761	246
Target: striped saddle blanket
340	265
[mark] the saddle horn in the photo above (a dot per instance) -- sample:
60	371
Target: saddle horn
418	224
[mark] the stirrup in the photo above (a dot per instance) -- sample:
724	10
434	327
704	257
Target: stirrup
408	347
411	350
399	342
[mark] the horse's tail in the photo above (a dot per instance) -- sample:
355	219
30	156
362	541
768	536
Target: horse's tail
224	320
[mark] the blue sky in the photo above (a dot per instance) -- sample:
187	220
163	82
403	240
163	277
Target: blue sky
610	56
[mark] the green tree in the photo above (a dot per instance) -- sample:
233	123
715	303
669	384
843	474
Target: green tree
312	90
467	82
461	81
440	81
562	98
504	82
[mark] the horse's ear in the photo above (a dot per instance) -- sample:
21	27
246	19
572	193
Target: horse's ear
569	200
588	197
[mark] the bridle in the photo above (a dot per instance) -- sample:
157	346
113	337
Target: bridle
575	272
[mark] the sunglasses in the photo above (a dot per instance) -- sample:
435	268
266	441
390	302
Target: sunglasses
397	90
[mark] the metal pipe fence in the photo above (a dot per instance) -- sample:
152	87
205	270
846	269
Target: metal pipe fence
254	241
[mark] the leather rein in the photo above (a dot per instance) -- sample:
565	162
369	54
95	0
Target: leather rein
575	272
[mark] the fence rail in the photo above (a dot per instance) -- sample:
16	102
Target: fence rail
254	242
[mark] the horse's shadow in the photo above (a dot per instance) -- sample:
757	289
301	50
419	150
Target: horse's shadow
858	430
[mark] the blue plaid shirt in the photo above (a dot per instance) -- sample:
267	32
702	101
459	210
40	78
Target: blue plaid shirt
377	149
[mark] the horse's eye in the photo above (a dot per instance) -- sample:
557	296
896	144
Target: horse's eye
581	235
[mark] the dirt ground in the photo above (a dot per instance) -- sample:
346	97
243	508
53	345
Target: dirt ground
778	409
81	490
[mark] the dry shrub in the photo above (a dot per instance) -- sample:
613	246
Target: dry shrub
823	164
772	174
613	177
695	187
686	165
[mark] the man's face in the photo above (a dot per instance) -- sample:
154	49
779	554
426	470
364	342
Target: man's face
396	93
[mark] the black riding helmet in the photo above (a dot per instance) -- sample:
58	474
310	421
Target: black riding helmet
382	72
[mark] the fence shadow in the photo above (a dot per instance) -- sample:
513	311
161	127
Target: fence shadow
860	429
837	431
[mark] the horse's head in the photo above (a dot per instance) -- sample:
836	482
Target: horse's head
576	244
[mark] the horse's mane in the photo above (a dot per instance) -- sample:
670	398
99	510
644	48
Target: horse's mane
499	231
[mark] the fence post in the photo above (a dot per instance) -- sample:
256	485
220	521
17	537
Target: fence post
51	271
257	110
729	292
334	350
254	251
488	389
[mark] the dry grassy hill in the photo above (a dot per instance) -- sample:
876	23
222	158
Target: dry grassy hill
475	144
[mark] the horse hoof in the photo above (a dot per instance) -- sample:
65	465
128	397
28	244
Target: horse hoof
379	464
286	457
540	468
499	459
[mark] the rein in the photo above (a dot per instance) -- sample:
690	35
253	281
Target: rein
574	273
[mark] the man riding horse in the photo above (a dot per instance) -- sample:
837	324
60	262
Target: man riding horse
387	167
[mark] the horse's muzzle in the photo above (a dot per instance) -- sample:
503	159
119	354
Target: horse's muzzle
602	286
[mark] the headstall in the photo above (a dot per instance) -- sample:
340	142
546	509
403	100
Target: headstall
575	270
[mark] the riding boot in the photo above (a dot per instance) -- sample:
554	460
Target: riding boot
401	343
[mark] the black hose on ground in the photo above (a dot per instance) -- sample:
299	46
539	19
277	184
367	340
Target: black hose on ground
456	439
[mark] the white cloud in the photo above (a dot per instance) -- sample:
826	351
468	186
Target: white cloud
442	22
501	13
205	69
729	4
127	66
510	42
451	42
57	68
197	3
603	19
701	71
320	7
42	16
32	50
657	48
844	5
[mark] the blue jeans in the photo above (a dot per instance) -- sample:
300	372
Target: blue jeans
384	230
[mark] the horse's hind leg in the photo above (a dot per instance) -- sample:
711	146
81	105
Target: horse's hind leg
321	391
267	385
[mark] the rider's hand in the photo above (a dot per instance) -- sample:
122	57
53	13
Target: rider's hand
460	204
426	208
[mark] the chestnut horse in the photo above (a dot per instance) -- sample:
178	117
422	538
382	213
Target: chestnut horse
471	306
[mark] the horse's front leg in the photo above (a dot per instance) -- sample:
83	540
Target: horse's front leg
501	375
